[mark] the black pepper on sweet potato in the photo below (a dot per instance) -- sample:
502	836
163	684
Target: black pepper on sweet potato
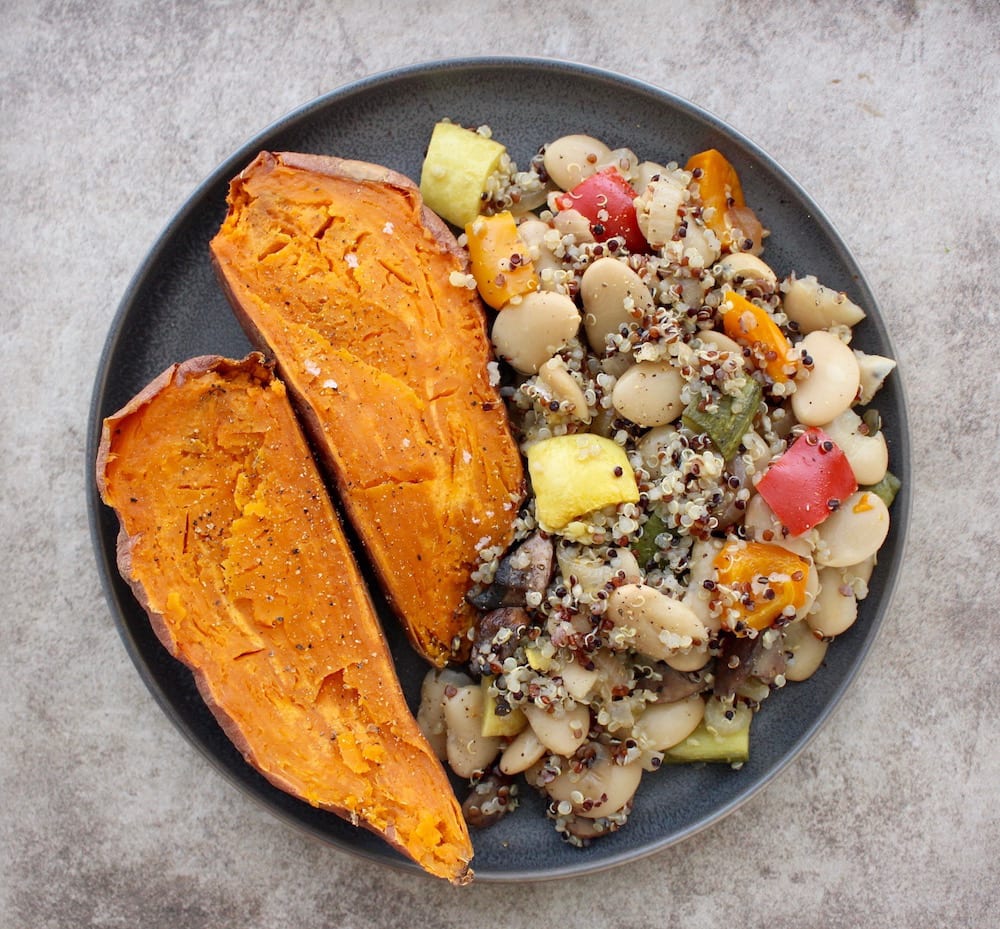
231	543
337	269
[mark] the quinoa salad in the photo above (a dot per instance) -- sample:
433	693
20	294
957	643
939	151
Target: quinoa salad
709	485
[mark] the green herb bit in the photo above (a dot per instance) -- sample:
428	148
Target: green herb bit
708	746
887	488
729	422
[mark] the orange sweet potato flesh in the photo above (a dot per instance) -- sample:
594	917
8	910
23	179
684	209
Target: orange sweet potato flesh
337	270
230	542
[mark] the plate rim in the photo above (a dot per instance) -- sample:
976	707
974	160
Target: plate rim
98	513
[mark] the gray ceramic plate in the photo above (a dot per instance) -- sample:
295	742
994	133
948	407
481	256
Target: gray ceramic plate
174	309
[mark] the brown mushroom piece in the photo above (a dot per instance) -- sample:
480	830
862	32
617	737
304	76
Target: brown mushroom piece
491	797
671	685
496	638
525	569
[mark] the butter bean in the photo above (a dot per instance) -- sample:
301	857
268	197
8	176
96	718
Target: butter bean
662	627
664	725
574	223
533	234
592	570
562	733
599	789
854	532
832	384
613	296
528	333
562	386
571	158
696	597
524	750
741	267
806	651
867	454
430	715
468	749
836	606
813	306
649	393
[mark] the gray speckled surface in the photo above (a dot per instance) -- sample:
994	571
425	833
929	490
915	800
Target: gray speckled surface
887	114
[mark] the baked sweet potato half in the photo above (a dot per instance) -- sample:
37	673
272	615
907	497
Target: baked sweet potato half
230	542
337	269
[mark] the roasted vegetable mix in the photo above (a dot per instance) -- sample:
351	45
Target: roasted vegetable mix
707	494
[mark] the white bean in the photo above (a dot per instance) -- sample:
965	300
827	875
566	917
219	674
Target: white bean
742	267
574	223
703	242
854	532
805	649
561	733
664	725
645	171
836	606
649	393
430	714
571	158
703	569
662	627
528	333
533	234
832	384
468	749
523	751
813	306
554	375
720	342
867	454
599	789
613	296
653	444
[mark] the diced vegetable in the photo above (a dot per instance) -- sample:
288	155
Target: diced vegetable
573	475
608	201
767	578
718	187
808	482
456	169
493	724
499	260
707	745
645	547
887	488
752	326
729	421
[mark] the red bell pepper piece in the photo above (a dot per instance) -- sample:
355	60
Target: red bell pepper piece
607	200
808	482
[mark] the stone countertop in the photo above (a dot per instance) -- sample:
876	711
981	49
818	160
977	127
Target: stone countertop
886	113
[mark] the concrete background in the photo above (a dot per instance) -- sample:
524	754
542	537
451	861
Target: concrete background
112	113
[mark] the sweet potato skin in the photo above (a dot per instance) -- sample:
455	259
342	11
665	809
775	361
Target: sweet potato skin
337	269
231	544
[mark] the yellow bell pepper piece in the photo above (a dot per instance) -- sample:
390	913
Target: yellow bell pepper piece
499	260
456	168
767	579
573	475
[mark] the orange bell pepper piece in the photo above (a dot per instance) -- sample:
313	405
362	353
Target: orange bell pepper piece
499	260
719	187
766	577
752	326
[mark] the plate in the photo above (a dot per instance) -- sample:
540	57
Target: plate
174	309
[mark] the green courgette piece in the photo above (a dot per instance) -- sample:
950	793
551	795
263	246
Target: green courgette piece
729	422
887	488
707	746
645	547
